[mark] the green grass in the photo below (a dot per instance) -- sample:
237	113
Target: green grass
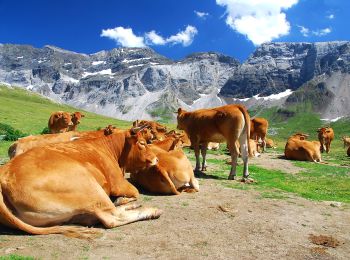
29	113
16	257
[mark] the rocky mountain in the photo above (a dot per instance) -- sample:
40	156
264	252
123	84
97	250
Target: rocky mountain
132	83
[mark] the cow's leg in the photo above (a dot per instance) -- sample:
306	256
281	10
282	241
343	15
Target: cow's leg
113	217
204	147
244	153
196	153
328	146
263	140
233	148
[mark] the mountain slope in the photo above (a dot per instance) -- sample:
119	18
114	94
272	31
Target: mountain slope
132	83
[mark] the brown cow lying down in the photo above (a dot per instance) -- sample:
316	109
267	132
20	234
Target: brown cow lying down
59	122
76	116
29	142
157	129
270	143
325	136
172	173
228	123
297	148
71	183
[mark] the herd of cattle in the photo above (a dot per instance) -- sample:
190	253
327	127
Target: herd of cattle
70	176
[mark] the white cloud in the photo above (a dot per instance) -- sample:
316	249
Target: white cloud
153	38
304	31
184	37
330	17
260	20
320	32
202	15
124	37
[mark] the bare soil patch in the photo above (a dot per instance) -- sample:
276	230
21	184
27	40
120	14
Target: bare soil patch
217	222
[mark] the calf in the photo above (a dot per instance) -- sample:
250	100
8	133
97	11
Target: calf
325	136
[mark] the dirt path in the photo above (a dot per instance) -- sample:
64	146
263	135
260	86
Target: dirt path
217	222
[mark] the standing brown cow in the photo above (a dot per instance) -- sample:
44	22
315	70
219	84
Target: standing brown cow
258	130
325	136
226	123
59	122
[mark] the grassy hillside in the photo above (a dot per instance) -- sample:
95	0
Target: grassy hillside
29	113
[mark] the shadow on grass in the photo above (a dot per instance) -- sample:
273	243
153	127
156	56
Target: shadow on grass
10	231
202	175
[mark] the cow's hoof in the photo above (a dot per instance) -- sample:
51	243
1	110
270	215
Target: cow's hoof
247	180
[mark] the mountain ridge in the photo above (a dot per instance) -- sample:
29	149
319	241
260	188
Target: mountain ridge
132	83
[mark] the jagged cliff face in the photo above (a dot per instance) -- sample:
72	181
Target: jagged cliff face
132	83
127	83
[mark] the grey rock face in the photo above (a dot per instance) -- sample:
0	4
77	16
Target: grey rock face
275	67
128	83
133	83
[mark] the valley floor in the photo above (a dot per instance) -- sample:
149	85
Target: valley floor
217	222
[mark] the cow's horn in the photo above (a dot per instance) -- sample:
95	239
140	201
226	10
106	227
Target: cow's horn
135	130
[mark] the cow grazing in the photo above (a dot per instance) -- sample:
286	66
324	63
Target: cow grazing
254	151
298	148
71	183
346	141
76	116
59	122
325	136
172	173
227	123
258	130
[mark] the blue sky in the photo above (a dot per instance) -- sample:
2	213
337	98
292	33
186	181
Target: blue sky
173	28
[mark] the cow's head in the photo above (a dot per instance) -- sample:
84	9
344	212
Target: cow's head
109	130
76	116
180	119
140	154
147	135
300	136
64	118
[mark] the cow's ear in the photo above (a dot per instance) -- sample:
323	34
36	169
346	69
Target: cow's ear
58	115
179	111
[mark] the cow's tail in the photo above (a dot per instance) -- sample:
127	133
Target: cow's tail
9	219
246	124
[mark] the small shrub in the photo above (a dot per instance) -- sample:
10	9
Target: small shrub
10	133
45	131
